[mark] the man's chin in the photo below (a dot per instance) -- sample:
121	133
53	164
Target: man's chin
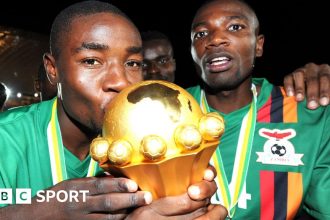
219	85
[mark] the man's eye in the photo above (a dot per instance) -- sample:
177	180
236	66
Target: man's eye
134	63
91	62
163	61
145	65
200	34
235	27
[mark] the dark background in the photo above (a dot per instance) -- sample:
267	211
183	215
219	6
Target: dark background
296	32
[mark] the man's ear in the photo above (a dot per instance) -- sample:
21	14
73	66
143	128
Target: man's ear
49	64
260	45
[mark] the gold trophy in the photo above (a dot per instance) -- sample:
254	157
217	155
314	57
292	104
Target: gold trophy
155	133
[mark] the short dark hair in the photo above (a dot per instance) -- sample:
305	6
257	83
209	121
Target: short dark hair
153	35
62	22
3	95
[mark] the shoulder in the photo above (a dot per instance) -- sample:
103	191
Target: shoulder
18	114
23	123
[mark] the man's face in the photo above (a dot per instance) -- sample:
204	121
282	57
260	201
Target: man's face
158	60
100	56
224	43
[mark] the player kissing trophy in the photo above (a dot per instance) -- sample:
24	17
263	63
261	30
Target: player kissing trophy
155	133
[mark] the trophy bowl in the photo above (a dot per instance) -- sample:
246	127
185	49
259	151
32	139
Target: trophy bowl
155	133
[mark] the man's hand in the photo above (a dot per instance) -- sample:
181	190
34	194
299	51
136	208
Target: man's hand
108	198
183	206
195	204
216	212
312	81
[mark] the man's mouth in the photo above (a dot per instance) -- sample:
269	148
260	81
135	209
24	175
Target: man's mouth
218	64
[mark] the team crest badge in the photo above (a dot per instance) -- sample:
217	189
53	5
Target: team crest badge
278	149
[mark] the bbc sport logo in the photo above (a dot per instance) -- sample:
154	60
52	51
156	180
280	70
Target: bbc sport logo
23	196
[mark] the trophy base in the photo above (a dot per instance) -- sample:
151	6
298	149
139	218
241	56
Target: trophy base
169	177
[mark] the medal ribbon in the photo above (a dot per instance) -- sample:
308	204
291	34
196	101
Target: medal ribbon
56	150
229	193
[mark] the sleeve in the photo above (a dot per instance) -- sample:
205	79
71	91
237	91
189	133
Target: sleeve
316	202
7	187
9	163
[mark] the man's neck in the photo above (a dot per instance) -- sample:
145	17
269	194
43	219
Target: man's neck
73	137
229	101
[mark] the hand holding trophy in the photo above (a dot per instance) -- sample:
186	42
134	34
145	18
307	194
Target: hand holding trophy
155	133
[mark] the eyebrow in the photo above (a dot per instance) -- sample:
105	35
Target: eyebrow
242	17
163	57
198	24
134	49
91	46
97	46
168	57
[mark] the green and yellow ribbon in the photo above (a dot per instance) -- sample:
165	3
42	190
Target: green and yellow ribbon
229	193
56	150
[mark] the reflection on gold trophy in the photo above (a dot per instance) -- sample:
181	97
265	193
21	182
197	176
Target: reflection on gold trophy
155	133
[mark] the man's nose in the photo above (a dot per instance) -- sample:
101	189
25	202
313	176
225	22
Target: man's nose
116	78
218	38
153	68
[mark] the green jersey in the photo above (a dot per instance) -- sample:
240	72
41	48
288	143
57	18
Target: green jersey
289	166
24	152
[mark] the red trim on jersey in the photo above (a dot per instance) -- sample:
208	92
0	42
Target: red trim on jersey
264	112
266	195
